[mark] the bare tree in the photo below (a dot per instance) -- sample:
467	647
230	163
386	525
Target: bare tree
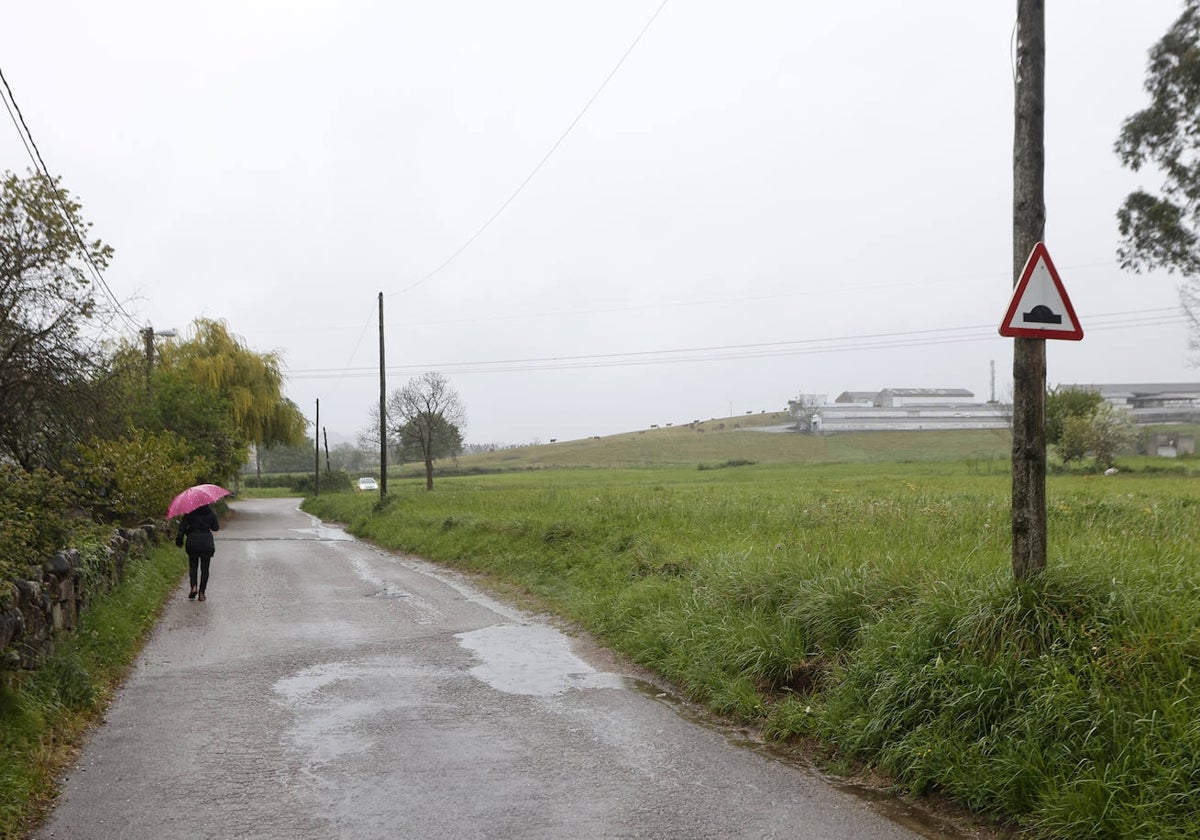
427	418
805	409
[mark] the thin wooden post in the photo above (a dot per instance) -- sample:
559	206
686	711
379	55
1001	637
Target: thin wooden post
1029	354
382	409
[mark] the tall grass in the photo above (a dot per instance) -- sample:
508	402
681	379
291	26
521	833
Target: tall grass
44	713
871	607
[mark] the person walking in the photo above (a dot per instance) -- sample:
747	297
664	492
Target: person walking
196	530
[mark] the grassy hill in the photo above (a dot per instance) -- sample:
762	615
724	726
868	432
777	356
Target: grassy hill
717	441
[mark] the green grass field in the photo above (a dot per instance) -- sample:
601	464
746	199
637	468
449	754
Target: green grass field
735	438
867	605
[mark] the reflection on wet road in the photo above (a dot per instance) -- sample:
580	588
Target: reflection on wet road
531	659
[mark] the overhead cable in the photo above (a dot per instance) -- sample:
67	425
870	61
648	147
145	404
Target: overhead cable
796	347
540	163
39	164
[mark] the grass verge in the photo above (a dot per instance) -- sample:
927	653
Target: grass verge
44	714
870	607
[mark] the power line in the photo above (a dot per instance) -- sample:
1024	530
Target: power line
541	162
664	305
838	344
39	164
679	304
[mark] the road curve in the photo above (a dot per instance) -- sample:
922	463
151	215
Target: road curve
331	689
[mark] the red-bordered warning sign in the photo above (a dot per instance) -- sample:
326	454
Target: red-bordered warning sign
1040	307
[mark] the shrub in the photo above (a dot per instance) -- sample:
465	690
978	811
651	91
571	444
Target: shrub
135	476
32	525
331	482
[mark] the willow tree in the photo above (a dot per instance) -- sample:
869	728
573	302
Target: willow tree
245	385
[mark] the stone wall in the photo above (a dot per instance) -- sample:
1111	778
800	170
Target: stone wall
37	610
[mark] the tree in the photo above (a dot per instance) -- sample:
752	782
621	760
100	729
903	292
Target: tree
287	459
231	392
427	418
1112	431
1163	230
347	456
1079	421
1065	401
445	440
1103	433
47	373
806	409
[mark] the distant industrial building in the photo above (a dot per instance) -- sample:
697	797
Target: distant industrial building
1153	403
900	409
912	409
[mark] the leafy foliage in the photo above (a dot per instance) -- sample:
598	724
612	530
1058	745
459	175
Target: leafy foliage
1063	402
220	396
1103	433
1162	230
1079	422
134	476
46	373
444	440
32	522
288	459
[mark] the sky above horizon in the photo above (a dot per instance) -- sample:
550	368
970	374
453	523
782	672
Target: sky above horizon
592	216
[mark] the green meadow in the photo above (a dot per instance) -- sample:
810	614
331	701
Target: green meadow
866	605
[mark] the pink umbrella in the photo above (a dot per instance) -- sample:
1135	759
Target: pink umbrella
194	497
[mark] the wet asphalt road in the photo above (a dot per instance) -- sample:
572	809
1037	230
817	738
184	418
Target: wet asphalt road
328	689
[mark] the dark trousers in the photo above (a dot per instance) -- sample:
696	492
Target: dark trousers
199	562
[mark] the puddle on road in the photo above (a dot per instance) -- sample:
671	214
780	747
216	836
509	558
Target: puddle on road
322	531
325	533
532	660
298	686
334	704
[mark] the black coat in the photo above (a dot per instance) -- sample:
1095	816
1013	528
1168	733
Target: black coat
197	527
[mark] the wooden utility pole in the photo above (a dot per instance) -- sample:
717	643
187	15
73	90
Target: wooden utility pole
325	435
148	346
317	449
382	409
1029	354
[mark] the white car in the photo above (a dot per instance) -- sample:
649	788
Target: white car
367	483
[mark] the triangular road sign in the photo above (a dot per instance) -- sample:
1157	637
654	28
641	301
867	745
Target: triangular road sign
1040	307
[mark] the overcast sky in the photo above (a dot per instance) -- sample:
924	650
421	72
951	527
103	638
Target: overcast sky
760	198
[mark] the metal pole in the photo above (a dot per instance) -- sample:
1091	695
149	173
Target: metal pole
317	449
1029	354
